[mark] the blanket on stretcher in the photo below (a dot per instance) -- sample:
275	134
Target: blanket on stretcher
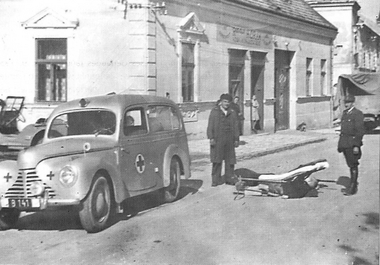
295	183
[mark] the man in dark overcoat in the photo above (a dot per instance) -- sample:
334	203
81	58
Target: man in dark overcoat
223	132
350	140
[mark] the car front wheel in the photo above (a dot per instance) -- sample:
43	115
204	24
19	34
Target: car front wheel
8	218
96	208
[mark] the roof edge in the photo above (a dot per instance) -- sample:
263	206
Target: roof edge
332	27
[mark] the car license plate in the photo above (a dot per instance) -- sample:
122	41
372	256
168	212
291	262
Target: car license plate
21	203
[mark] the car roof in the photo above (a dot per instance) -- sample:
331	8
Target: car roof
115	102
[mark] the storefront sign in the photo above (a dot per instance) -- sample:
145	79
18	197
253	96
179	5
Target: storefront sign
244	36
190	115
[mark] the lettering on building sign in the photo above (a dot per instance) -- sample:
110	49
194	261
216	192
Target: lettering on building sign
190	115
244	36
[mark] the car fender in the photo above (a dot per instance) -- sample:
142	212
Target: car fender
87	166
171	151
94	164
26	136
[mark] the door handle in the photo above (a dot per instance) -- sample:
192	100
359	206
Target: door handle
124	150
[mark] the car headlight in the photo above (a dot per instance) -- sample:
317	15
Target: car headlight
68	176
37	188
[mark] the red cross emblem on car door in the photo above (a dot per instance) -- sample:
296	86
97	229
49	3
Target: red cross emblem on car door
140	163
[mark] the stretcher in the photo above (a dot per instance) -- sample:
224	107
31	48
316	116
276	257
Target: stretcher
295	183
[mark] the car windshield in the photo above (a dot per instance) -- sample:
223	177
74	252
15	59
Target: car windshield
94	122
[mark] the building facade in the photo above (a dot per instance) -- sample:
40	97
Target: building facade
191	51
357	45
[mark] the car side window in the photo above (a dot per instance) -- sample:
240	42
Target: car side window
134	122
163	118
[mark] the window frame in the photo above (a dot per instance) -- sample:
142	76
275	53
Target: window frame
188	73
97	122
164	128
144	122
323	81
56	62
309	77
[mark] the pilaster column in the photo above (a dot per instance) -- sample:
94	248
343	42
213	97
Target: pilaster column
196	70
142	47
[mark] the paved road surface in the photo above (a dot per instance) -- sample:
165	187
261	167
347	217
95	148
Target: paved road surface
207	226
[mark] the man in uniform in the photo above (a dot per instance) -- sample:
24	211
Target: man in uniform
223	132
350	140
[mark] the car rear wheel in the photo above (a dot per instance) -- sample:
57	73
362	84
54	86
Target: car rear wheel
96	208
171	191
8	218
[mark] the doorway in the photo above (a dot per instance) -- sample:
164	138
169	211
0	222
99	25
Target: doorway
257	89
236	81
236	74
281	90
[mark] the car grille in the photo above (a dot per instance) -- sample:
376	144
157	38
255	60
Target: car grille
21	188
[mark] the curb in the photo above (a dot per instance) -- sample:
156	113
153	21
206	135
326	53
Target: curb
279	149
203	159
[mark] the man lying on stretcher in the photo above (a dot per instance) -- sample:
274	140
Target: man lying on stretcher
293	184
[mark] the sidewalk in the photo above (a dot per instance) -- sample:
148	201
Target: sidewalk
256	145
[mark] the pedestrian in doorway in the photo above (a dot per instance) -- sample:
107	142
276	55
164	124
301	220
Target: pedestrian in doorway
350	140
236	107
223	132
254	113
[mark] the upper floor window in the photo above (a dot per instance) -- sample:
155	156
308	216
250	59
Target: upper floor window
309	76
51	67
323	77
187	72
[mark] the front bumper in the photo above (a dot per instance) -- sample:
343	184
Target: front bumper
35	204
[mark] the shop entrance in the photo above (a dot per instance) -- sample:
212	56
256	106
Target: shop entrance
257	90
236	73
281	107
236	80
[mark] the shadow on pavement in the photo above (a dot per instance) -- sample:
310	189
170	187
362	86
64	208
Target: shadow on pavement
371	223
353	253
344	181
139	204
61	219
372	219
189	186
67	218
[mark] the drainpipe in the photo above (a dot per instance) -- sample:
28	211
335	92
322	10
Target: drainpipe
331	82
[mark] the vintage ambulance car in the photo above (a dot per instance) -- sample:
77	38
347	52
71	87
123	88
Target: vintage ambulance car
96	153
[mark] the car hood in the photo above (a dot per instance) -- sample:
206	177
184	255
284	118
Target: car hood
30	157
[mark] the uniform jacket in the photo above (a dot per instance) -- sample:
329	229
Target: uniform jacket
215	131
352	129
